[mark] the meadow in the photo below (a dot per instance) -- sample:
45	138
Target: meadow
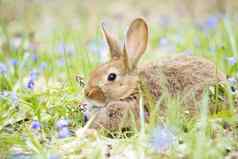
40	95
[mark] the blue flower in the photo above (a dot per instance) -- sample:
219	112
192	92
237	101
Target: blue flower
20	155
162	138
32	78
232	60
60	48
4	93
65	48
35	125
3	68
54	156
64	132
14	97
30	84
33	75
212	22
70	49
62	123
188	52
163	41
43	66
61	62
34	57
232	80
14	62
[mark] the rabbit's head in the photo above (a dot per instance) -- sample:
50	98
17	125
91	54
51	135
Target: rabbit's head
117	78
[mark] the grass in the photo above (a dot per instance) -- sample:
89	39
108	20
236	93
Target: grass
54	95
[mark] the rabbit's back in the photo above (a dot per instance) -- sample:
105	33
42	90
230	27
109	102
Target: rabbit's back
181	75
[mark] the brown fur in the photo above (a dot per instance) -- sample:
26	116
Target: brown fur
184	76
181	75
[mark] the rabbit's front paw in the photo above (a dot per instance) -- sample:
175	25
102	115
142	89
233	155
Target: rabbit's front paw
112	117
115	115
116	109
121	114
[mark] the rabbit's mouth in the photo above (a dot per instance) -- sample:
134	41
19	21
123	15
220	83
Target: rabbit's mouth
95	95
96	103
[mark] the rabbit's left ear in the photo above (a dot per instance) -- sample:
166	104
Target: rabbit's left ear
114	48
136	42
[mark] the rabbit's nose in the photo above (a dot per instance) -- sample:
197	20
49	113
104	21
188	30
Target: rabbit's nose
95	93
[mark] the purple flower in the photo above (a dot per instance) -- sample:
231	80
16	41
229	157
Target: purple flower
60	48
3	68
32	78
188	52
212	22
34	57
4	93
65	48
61	62
232	60
64	132
70	49
62	126
62	123
19	155
35	125
14	97
33	75
162	138
14	62
43	66
30	84
54	156
232	80
163	42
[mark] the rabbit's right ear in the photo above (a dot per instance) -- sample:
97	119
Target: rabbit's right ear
136	42
114	48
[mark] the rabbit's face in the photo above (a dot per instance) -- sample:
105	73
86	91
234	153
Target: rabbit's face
109	82
117	78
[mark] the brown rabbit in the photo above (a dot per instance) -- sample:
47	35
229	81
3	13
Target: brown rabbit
114	87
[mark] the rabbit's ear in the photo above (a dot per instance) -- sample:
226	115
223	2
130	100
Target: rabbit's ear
114	48
136	41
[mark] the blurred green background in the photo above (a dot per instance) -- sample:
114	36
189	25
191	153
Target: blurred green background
42	16
44	44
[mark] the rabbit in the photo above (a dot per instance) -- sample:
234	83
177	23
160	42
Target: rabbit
114	88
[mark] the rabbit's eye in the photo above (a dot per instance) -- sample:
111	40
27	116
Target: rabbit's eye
111	77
